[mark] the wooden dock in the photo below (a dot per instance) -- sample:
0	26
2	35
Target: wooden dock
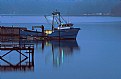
19	48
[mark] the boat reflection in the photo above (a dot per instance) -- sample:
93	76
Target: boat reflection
55	52
61	49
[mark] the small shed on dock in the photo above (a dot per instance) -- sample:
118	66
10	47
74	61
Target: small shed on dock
10	33
14	31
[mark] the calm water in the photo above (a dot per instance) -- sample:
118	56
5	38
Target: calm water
96	54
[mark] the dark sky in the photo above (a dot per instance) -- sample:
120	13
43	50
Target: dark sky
67	7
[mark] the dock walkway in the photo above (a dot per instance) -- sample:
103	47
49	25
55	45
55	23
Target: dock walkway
24	50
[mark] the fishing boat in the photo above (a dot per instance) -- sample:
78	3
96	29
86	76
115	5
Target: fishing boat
63	30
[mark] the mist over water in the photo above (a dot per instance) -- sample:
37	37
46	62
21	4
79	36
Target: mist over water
94	55
42	19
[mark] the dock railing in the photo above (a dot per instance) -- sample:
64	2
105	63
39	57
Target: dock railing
16	45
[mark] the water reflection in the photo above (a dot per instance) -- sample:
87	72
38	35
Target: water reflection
60	49
16	57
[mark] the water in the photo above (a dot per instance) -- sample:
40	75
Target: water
96	54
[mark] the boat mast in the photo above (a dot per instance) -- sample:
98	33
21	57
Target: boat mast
53	23
59	17
55	15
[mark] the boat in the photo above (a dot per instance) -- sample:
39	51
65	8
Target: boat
64	29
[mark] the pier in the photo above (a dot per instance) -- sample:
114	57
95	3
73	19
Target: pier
8	33
26	57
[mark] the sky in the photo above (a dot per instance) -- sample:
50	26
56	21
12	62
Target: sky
68	7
